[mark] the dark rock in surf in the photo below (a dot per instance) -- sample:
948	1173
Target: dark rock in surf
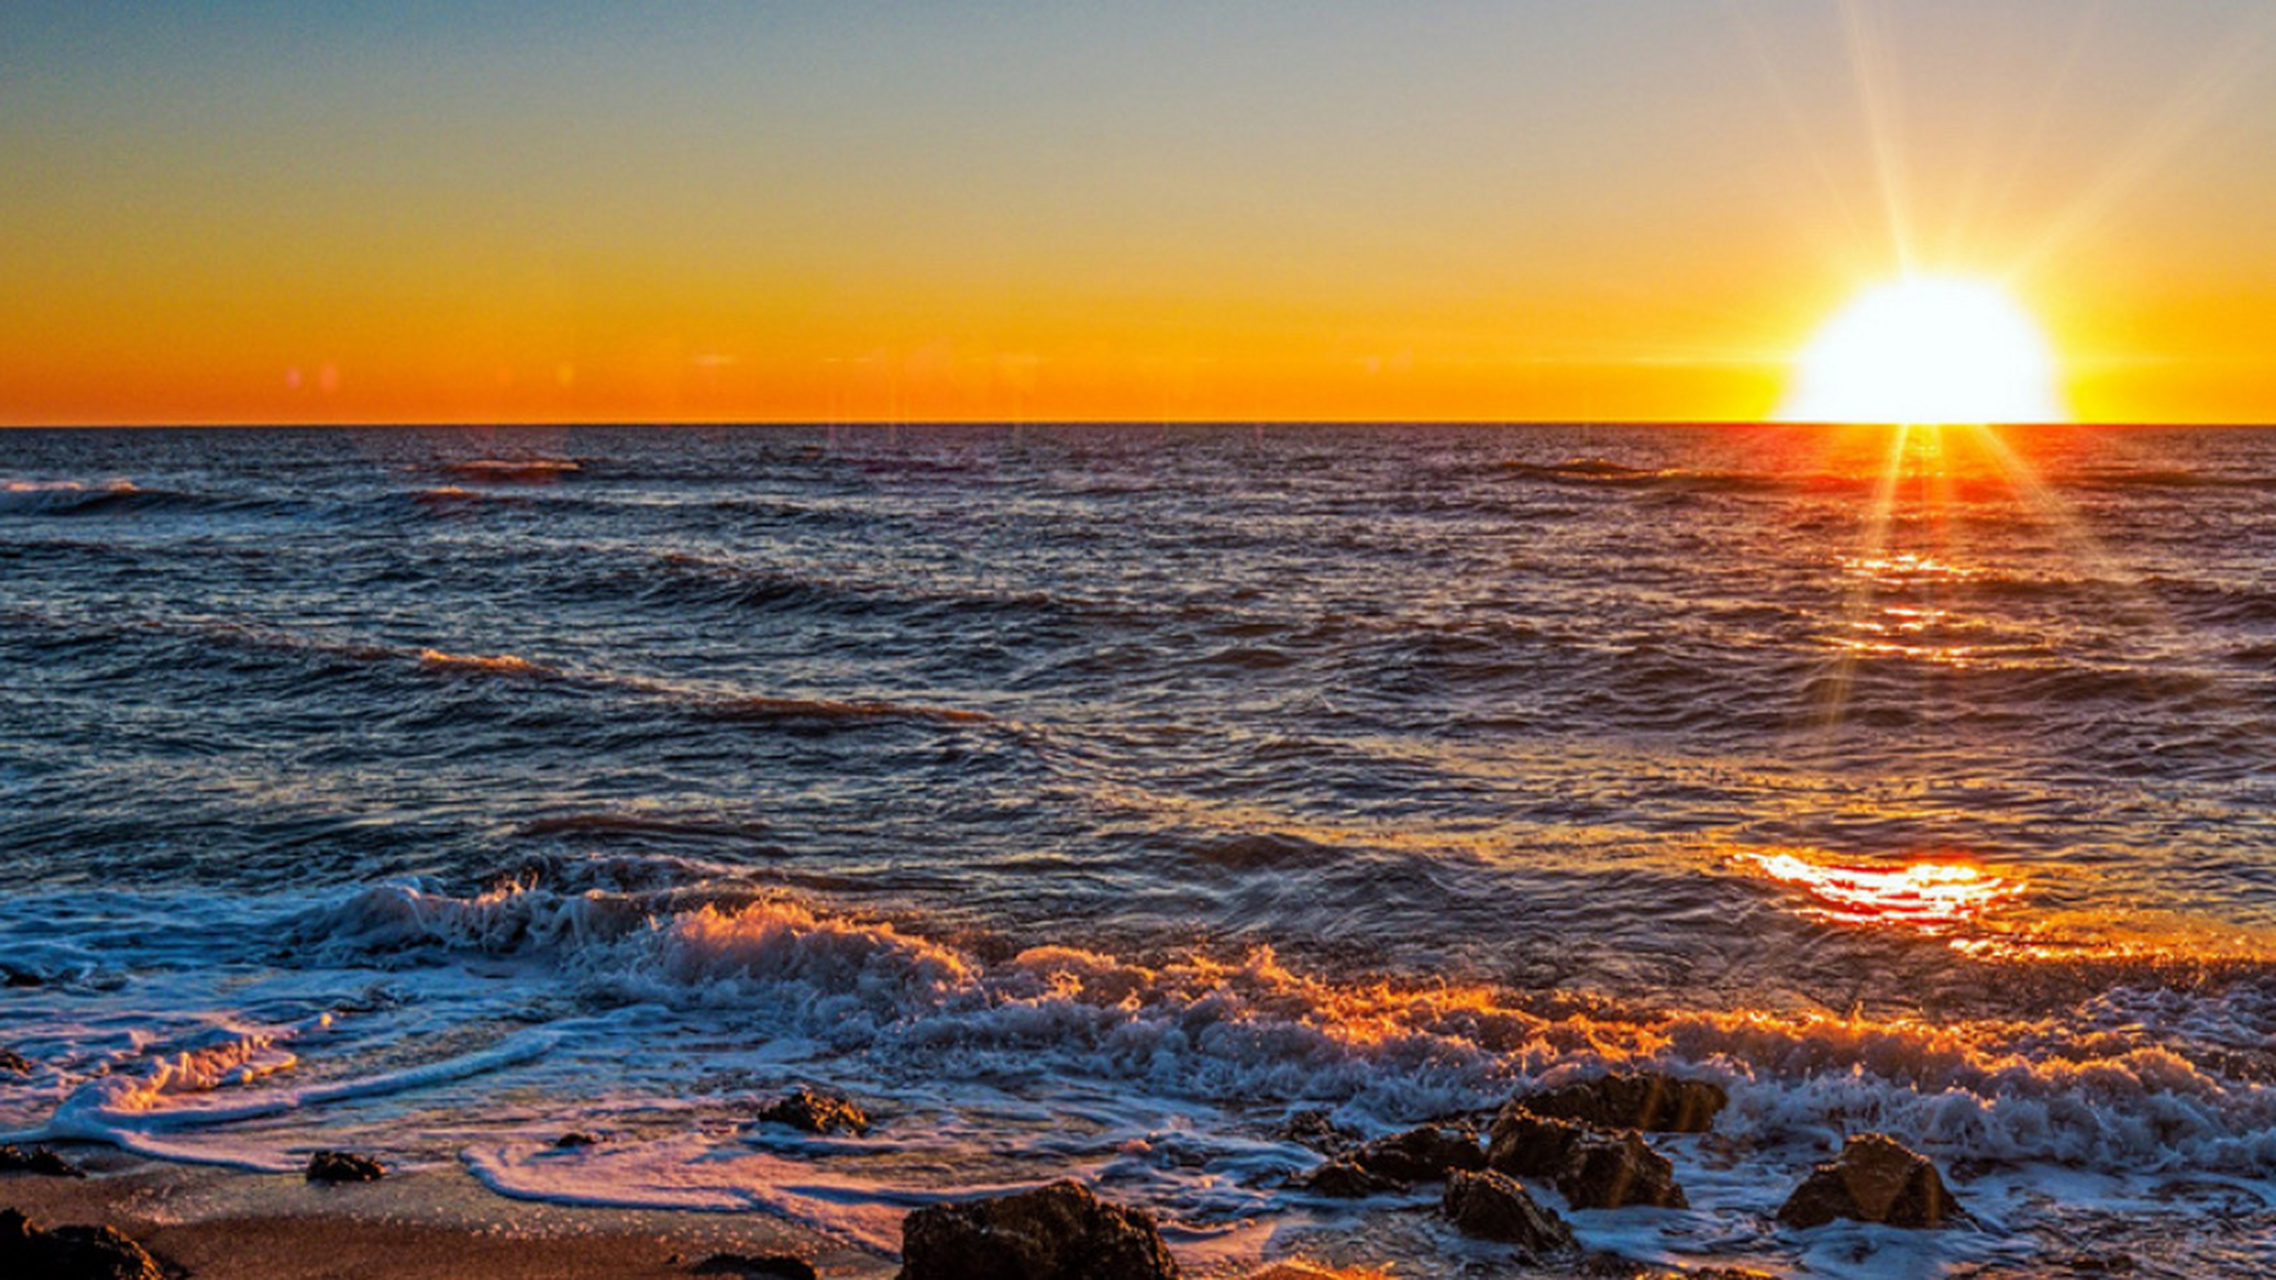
1875	1179
1650	1101
783	1265
71	1253
573	1140
1425	1154
1524	1145
20	978
1615	1170
813	1111
344	1166
1347	1179
1055	1232
15	1063
1493	1206
1313	1128
39	1160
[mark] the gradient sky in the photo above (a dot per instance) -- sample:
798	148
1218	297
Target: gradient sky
311	212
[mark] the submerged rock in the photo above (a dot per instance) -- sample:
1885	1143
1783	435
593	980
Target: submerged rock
1313	1128
783	1265
574	1139
1493	1206
1524	1145
71	1253
1425	1154
1650	1100
1347	1179
814	1111
1055	1232
344	1166
1875	1179
15	1063
39	1160
1615	1170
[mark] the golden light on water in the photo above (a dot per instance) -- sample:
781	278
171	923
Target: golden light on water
1930	895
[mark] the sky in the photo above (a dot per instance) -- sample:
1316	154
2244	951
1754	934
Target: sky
1524	210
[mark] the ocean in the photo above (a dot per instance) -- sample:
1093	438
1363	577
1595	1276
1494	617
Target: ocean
1089	800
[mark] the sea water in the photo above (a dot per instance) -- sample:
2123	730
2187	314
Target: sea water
1088	800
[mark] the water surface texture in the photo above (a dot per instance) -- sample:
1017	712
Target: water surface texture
1090	799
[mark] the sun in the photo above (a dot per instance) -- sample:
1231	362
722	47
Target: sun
1927	350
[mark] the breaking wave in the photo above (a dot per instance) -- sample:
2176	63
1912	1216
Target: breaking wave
2142	1079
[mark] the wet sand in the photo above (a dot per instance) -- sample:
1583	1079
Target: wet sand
437	1223
221	1224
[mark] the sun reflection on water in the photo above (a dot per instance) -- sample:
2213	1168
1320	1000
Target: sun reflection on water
1930	895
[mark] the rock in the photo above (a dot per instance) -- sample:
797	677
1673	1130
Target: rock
1614	1170
1313	1128
39	1160
1650	1101
1056	1232
1426	1154
786	1266
1492	1206
1524	1145
20	978
71	1253
1347	1179
15	1063
574	1139
813	1111
344	1166
1875	1179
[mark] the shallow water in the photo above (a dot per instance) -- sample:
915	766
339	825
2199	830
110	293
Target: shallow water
1089	798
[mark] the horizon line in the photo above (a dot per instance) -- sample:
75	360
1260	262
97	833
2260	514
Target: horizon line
890	423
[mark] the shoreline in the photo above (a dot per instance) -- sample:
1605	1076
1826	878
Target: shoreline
209	1222
220	1222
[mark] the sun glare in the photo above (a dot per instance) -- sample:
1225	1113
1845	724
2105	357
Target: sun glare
1927	350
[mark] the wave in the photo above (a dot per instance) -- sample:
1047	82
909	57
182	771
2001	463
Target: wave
1607	473
79	498
511	470
729	706
2164	478
2139	1078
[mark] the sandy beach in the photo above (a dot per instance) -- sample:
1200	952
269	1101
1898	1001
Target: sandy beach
224	1223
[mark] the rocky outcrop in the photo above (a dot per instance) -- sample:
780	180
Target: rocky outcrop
1315	1129
1875	1179
1524	1145
39	1160
1615	1170
1492	1206
813	1111
1650	1101
772	1266
344	1166
1426	1154
1056	1232
1592	1168
71	1253
1347	1179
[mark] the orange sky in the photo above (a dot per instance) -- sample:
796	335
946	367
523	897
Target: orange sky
1339	211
